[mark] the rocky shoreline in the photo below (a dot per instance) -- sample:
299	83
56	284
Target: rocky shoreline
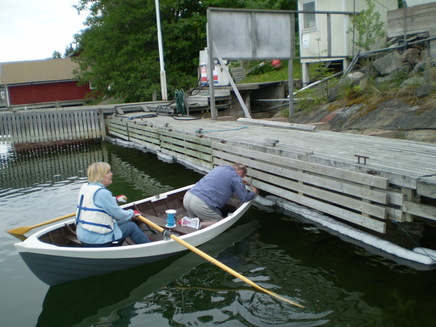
393	95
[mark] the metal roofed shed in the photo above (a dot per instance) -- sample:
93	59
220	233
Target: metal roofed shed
41	83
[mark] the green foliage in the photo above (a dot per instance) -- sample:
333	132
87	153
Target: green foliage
261	68
119	48
351	92
310	99
319	71
271	75
56	55
368	26
69	50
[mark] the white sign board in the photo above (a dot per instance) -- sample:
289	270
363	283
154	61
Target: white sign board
250	35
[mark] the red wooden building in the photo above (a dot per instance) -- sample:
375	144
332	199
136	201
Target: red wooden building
49	83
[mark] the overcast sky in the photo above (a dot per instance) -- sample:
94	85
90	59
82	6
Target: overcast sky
33	29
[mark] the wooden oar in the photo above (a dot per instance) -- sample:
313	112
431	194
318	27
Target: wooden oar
23	230
216	262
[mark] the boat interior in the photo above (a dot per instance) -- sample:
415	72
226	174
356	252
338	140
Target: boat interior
153	210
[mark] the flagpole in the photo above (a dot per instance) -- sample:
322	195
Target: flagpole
163	78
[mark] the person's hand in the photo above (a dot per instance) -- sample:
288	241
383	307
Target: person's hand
253	189
136	213
121	198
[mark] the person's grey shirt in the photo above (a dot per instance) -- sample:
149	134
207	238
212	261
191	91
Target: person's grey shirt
218	186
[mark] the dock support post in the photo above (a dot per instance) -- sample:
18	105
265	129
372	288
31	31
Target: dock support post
291	69
408	193
210	67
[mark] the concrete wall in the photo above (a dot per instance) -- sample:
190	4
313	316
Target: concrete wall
414	20
411	3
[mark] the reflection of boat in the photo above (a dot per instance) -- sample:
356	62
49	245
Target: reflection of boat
55	255
91	301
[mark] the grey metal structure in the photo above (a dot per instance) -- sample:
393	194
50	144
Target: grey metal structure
250	35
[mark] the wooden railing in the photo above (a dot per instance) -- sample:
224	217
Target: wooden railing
34	126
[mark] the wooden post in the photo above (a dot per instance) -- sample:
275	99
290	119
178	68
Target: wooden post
210	67
408	194
102	124
291	68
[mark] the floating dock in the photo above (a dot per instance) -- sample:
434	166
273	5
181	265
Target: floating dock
370	183
364	180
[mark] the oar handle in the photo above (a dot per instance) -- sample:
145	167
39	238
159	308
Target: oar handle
217	263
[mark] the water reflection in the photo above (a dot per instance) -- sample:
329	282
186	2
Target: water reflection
31	169
34	169
186	291
127	175
339	283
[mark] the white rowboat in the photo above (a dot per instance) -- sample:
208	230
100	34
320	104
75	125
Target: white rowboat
55	255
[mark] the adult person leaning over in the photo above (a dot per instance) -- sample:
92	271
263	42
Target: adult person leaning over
212	192
100	221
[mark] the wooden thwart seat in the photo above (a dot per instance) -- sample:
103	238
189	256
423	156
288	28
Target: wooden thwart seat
71	237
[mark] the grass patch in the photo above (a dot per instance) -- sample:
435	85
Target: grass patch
267	73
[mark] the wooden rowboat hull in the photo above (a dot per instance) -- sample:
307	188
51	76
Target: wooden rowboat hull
54	256
142	281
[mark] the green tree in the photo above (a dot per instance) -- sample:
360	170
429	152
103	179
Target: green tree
118	51
368	26
69	51
56	55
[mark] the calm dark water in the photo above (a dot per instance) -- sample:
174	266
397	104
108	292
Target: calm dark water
339	283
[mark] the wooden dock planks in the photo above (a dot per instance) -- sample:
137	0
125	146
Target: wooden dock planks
318	169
